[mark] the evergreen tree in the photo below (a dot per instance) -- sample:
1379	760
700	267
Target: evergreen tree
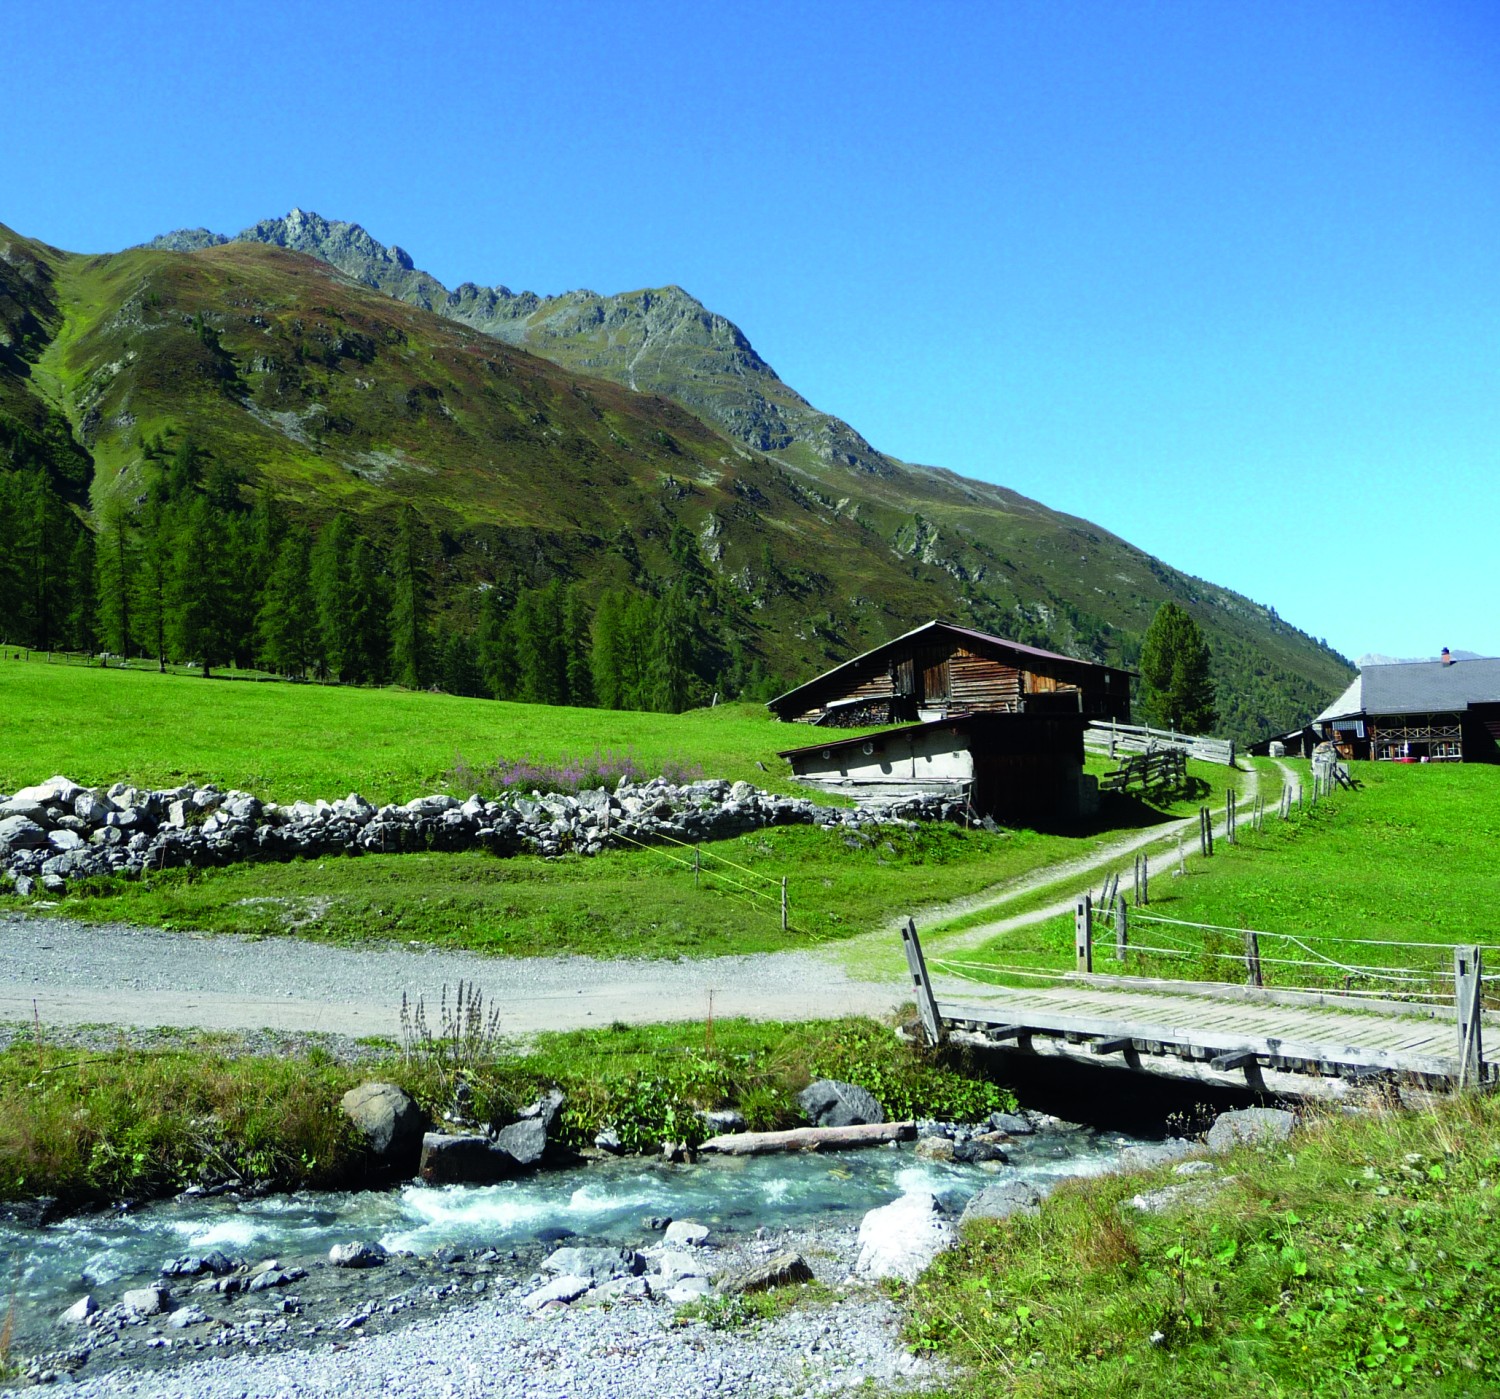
576	645
459	671
671	664
114	575
287	622
410	584
1175	668
541	661
81	593
620	651
152	572
202	580
334	592
369	656
497	647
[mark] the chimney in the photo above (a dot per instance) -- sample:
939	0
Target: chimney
1446	658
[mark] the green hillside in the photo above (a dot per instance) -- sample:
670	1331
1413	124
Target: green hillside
329	387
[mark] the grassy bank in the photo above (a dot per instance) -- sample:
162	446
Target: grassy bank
1361	1258
1406	859
92	1127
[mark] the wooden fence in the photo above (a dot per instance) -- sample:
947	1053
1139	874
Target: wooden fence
1112	737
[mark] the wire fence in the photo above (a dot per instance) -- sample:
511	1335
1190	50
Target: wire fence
776	895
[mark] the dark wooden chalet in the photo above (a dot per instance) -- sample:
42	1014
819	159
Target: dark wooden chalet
1419	711
939	669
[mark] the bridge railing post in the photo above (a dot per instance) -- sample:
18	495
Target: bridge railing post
1468	975
1083	934
927	1008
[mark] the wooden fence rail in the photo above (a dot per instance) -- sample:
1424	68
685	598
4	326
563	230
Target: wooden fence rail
1112	737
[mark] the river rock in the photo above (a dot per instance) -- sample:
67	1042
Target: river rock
567	1288
935	1148
184	1317
829	1103
1250	1127
1001	1200
355	1255
548	1108
899	1240
390	1122
147	1301
779	1270
689	1290
685	1233
1011	1123
597	1264
463	1159
1149	1154
80	1311
525	1142
674	1264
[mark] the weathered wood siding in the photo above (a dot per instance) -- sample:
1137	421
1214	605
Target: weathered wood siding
982	683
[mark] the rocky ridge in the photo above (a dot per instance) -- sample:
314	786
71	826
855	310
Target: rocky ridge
58	830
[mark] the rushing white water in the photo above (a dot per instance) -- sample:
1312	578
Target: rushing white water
45	1270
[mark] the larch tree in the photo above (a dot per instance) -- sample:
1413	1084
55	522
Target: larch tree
1174	664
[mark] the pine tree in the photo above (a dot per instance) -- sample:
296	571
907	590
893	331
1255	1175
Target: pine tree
370	645
579	674
607	661
671	673
81	593
287	622
114	577
202	580
333	590
541	661
152	572
410	583
1174	664
497	647
459	671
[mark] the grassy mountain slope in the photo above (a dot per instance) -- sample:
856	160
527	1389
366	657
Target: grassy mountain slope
347	391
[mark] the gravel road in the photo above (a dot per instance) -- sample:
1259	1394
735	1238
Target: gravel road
72	973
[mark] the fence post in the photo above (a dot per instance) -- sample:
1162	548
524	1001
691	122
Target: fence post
1252	956
1208	828
698	869
1468	973
927	1007
1083	933
783	903
1145	880
1122	928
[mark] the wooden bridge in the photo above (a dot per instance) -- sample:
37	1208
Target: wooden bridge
1304	1043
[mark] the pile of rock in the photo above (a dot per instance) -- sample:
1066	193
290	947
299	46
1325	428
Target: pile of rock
58	830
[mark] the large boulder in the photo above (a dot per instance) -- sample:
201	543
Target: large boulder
55	791
779	1270
828	1103
525	1142
20	833
596	1264
1250	1127
1001	1200
899	1240
390	1122
463	1159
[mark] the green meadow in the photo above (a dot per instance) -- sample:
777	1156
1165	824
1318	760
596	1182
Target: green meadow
1359	879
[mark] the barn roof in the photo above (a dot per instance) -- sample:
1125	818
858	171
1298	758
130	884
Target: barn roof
935	628
1418	687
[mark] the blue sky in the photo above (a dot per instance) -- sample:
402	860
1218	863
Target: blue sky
1223	278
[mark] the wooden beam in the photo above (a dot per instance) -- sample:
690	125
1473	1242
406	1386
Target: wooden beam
1235	1059
1113	1046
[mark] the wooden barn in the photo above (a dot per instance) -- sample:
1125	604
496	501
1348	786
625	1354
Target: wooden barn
1419	711
939	670
1016	767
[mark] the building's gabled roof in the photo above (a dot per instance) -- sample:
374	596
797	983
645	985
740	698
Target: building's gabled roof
978	637
1418	687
